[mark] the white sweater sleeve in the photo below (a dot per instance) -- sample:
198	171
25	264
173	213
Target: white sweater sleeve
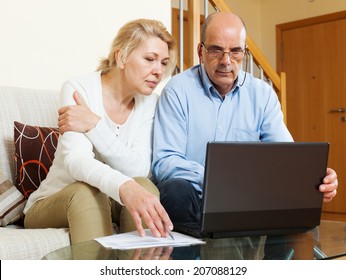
79	159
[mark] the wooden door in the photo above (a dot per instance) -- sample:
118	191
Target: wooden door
312	52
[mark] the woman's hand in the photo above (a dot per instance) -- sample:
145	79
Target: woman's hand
77	118
145	206
329	186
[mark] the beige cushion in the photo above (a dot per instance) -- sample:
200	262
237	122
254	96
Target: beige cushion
31	244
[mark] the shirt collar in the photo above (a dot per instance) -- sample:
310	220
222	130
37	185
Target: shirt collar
209	87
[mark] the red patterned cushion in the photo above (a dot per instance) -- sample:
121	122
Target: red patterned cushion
34	153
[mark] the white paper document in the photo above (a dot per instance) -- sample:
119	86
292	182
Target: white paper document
131	240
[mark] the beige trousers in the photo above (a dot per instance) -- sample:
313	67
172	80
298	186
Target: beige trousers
85	210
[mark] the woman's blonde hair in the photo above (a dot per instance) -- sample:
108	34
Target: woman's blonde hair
131	35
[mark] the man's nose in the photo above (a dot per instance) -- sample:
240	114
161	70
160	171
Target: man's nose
226	57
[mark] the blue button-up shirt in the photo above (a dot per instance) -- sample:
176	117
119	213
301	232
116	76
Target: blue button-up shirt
191	113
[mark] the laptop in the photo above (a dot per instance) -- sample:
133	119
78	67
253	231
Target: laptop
257	188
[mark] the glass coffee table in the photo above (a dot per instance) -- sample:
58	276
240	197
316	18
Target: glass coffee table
328	241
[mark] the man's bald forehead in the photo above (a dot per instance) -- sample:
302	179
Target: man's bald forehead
220	16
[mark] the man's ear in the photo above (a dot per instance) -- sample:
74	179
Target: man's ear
199	51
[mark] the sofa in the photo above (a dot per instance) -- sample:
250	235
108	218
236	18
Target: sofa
35	109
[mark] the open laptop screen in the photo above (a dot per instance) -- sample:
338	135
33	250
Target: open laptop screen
262	187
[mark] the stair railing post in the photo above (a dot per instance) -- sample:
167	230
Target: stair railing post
181	35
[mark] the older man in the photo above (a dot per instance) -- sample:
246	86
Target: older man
214	100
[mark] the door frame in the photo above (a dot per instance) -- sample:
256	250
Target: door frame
280	28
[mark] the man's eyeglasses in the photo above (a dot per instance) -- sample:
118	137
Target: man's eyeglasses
215	52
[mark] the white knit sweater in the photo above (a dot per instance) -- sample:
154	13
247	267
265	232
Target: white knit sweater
108	155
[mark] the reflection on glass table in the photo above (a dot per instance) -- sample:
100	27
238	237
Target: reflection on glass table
328	241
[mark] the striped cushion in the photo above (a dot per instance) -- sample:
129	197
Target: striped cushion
12	202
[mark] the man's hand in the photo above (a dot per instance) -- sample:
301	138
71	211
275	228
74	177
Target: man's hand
77	118
329	186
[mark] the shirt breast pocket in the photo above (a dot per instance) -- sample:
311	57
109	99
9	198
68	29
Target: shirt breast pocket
245	135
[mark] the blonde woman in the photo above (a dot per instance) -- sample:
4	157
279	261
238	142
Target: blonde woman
99	174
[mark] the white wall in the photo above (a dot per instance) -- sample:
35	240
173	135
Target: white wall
45	42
